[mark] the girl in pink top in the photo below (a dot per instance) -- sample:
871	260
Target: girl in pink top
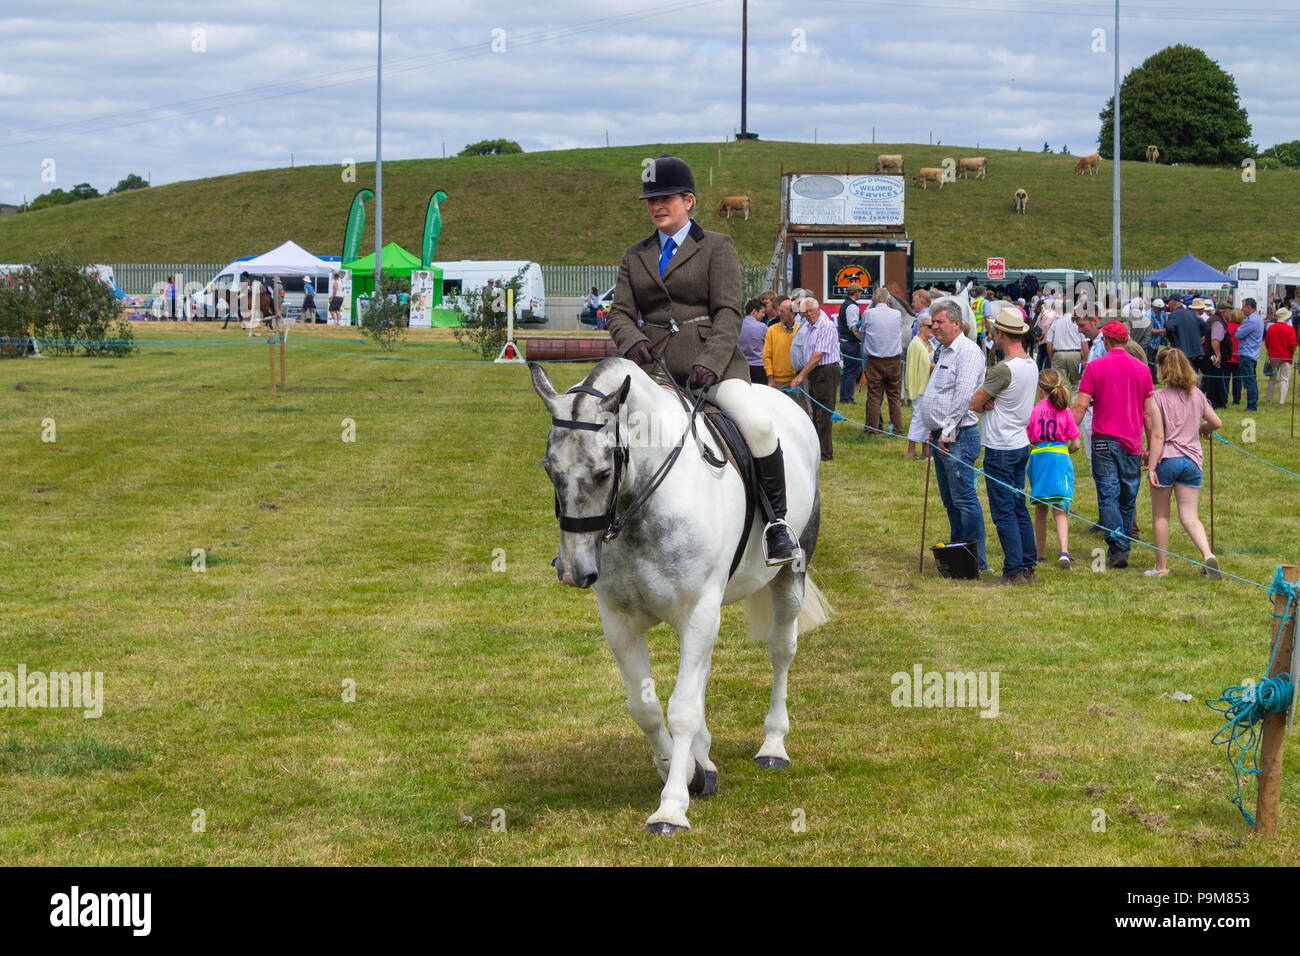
1174	459
1053	434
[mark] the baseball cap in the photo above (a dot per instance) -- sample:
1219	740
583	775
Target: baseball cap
1115	330
1159	303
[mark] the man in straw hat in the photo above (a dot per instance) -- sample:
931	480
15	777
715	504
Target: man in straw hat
1007	400
685	284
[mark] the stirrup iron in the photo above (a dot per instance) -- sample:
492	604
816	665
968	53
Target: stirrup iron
795	557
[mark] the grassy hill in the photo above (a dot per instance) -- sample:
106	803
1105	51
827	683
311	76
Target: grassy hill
578	206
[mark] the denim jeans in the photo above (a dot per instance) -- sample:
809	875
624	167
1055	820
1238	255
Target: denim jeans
851	355
1007	508
1117	473
1249	381
956	477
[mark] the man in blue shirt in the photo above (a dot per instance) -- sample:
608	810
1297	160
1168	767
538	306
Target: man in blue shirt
1183	331
1250	334
1158	316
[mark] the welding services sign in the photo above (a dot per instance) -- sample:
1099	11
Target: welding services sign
844	200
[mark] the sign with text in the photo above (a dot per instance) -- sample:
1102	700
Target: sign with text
997	268
421	300
846	200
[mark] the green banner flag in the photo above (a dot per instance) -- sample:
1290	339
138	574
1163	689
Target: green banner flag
432	227
356	224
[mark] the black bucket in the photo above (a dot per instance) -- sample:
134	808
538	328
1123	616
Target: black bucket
959	560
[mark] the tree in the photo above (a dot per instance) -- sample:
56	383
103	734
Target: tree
1286	154
65	305
132	181
384	320
61	197
1046	147
1181	101
55	197
491	147
483	316
1065	150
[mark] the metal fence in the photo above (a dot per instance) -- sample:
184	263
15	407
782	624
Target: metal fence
576	281
143	278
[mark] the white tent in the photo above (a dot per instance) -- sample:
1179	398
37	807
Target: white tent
1288	276
289	259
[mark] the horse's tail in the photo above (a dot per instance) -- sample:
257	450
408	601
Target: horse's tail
814	612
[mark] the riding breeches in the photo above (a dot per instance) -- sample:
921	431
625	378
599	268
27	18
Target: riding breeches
736	399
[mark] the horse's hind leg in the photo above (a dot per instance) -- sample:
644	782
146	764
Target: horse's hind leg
782	641
626	638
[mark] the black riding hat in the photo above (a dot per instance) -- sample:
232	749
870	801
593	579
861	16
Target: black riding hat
667	176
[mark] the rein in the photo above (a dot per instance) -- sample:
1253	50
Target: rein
611	522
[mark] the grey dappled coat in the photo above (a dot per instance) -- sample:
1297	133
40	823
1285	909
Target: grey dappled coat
703	278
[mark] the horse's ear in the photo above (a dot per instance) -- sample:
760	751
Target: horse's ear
614	400
542	384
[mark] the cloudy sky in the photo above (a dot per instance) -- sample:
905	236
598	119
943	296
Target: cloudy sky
90	92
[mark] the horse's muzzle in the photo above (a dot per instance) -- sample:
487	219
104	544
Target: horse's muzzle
565	576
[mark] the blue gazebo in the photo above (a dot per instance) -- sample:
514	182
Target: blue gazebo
1189	272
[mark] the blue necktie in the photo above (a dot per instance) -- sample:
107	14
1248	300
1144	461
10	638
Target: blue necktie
664	257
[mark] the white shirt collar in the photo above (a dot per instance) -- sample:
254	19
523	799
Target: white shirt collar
679	237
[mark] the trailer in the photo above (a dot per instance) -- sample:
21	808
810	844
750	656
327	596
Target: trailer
841	228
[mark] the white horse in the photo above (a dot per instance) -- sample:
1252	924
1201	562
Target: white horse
611	436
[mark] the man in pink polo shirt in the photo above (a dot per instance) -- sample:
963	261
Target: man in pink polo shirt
1118	387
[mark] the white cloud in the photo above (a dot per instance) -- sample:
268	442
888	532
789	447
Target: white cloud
572	71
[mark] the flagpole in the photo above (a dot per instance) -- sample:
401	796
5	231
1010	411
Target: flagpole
1115	233
379	153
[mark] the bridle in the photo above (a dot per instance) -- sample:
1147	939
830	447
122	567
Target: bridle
611	522
604	522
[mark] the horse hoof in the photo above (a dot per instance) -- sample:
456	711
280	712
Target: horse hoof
710	783
698	787
664	829
772	763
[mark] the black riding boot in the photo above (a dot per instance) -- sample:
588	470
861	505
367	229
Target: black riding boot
778	537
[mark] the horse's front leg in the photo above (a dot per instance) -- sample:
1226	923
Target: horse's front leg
698	631
626	638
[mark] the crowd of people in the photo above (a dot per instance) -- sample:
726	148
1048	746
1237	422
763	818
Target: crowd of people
1033	383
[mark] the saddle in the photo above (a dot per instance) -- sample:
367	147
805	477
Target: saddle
733	443
742	459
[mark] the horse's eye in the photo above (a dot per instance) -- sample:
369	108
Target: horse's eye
602	475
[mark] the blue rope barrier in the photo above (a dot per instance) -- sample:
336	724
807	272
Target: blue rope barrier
1246	705
1225	441
980	471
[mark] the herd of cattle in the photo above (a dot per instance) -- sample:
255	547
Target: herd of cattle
893	163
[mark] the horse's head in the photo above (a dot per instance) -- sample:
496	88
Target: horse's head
585	462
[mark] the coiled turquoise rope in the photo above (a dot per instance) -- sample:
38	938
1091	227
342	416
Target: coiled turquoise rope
1246	705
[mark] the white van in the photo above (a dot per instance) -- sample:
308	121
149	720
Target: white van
1254	280
467	275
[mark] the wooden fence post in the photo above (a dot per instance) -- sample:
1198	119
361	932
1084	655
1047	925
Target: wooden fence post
270	348
1273	735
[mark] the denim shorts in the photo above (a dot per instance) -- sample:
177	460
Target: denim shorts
1178	471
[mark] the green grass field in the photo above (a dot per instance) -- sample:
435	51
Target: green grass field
579	206
475	690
